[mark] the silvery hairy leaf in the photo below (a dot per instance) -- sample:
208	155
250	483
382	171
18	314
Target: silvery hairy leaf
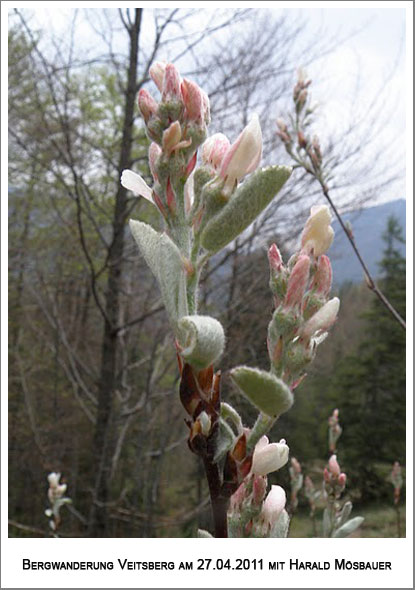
246	203
165	262
349	527
266	391
201	339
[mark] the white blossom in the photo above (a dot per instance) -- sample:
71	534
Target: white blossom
134	183
317	235
269	457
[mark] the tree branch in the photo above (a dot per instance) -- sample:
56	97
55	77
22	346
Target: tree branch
369	280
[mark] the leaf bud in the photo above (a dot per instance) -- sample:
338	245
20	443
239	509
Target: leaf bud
201	339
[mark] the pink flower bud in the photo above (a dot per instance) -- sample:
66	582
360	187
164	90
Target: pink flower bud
275	259
302	97
297	382
157	73
317	235
317	150
191	165
243	156
237	498
285	137
259	489
334	467
193	100
342	480
134	183
302	142
170	197
159	204
206	107
297	282
147	104
273	506
171	84
323	276
269	457
326	475
281	125
154	152
171	137
214	150
322	319
171	140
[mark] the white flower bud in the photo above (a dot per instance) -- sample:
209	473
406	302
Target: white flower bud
322	319
317	235
243	156
334	467
53	479
214	150
205	423
269	457
157	72
60	490
273	506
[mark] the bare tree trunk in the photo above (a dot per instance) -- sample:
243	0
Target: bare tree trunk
98	521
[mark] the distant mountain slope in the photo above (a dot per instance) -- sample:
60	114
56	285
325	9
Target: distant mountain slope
368	226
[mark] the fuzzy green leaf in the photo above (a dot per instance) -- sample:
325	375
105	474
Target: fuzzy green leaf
266	391
349	527
248	201
202	340
326	523
165	262
226	440
345	513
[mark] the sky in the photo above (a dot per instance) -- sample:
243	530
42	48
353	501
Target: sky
371	50
376	48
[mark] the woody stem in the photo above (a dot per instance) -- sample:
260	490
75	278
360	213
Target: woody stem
219	502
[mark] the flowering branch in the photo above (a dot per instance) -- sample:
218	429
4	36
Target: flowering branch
205	207
306	153
335	430
336	522
57	499
312	496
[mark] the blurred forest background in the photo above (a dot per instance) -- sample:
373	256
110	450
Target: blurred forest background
92	369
